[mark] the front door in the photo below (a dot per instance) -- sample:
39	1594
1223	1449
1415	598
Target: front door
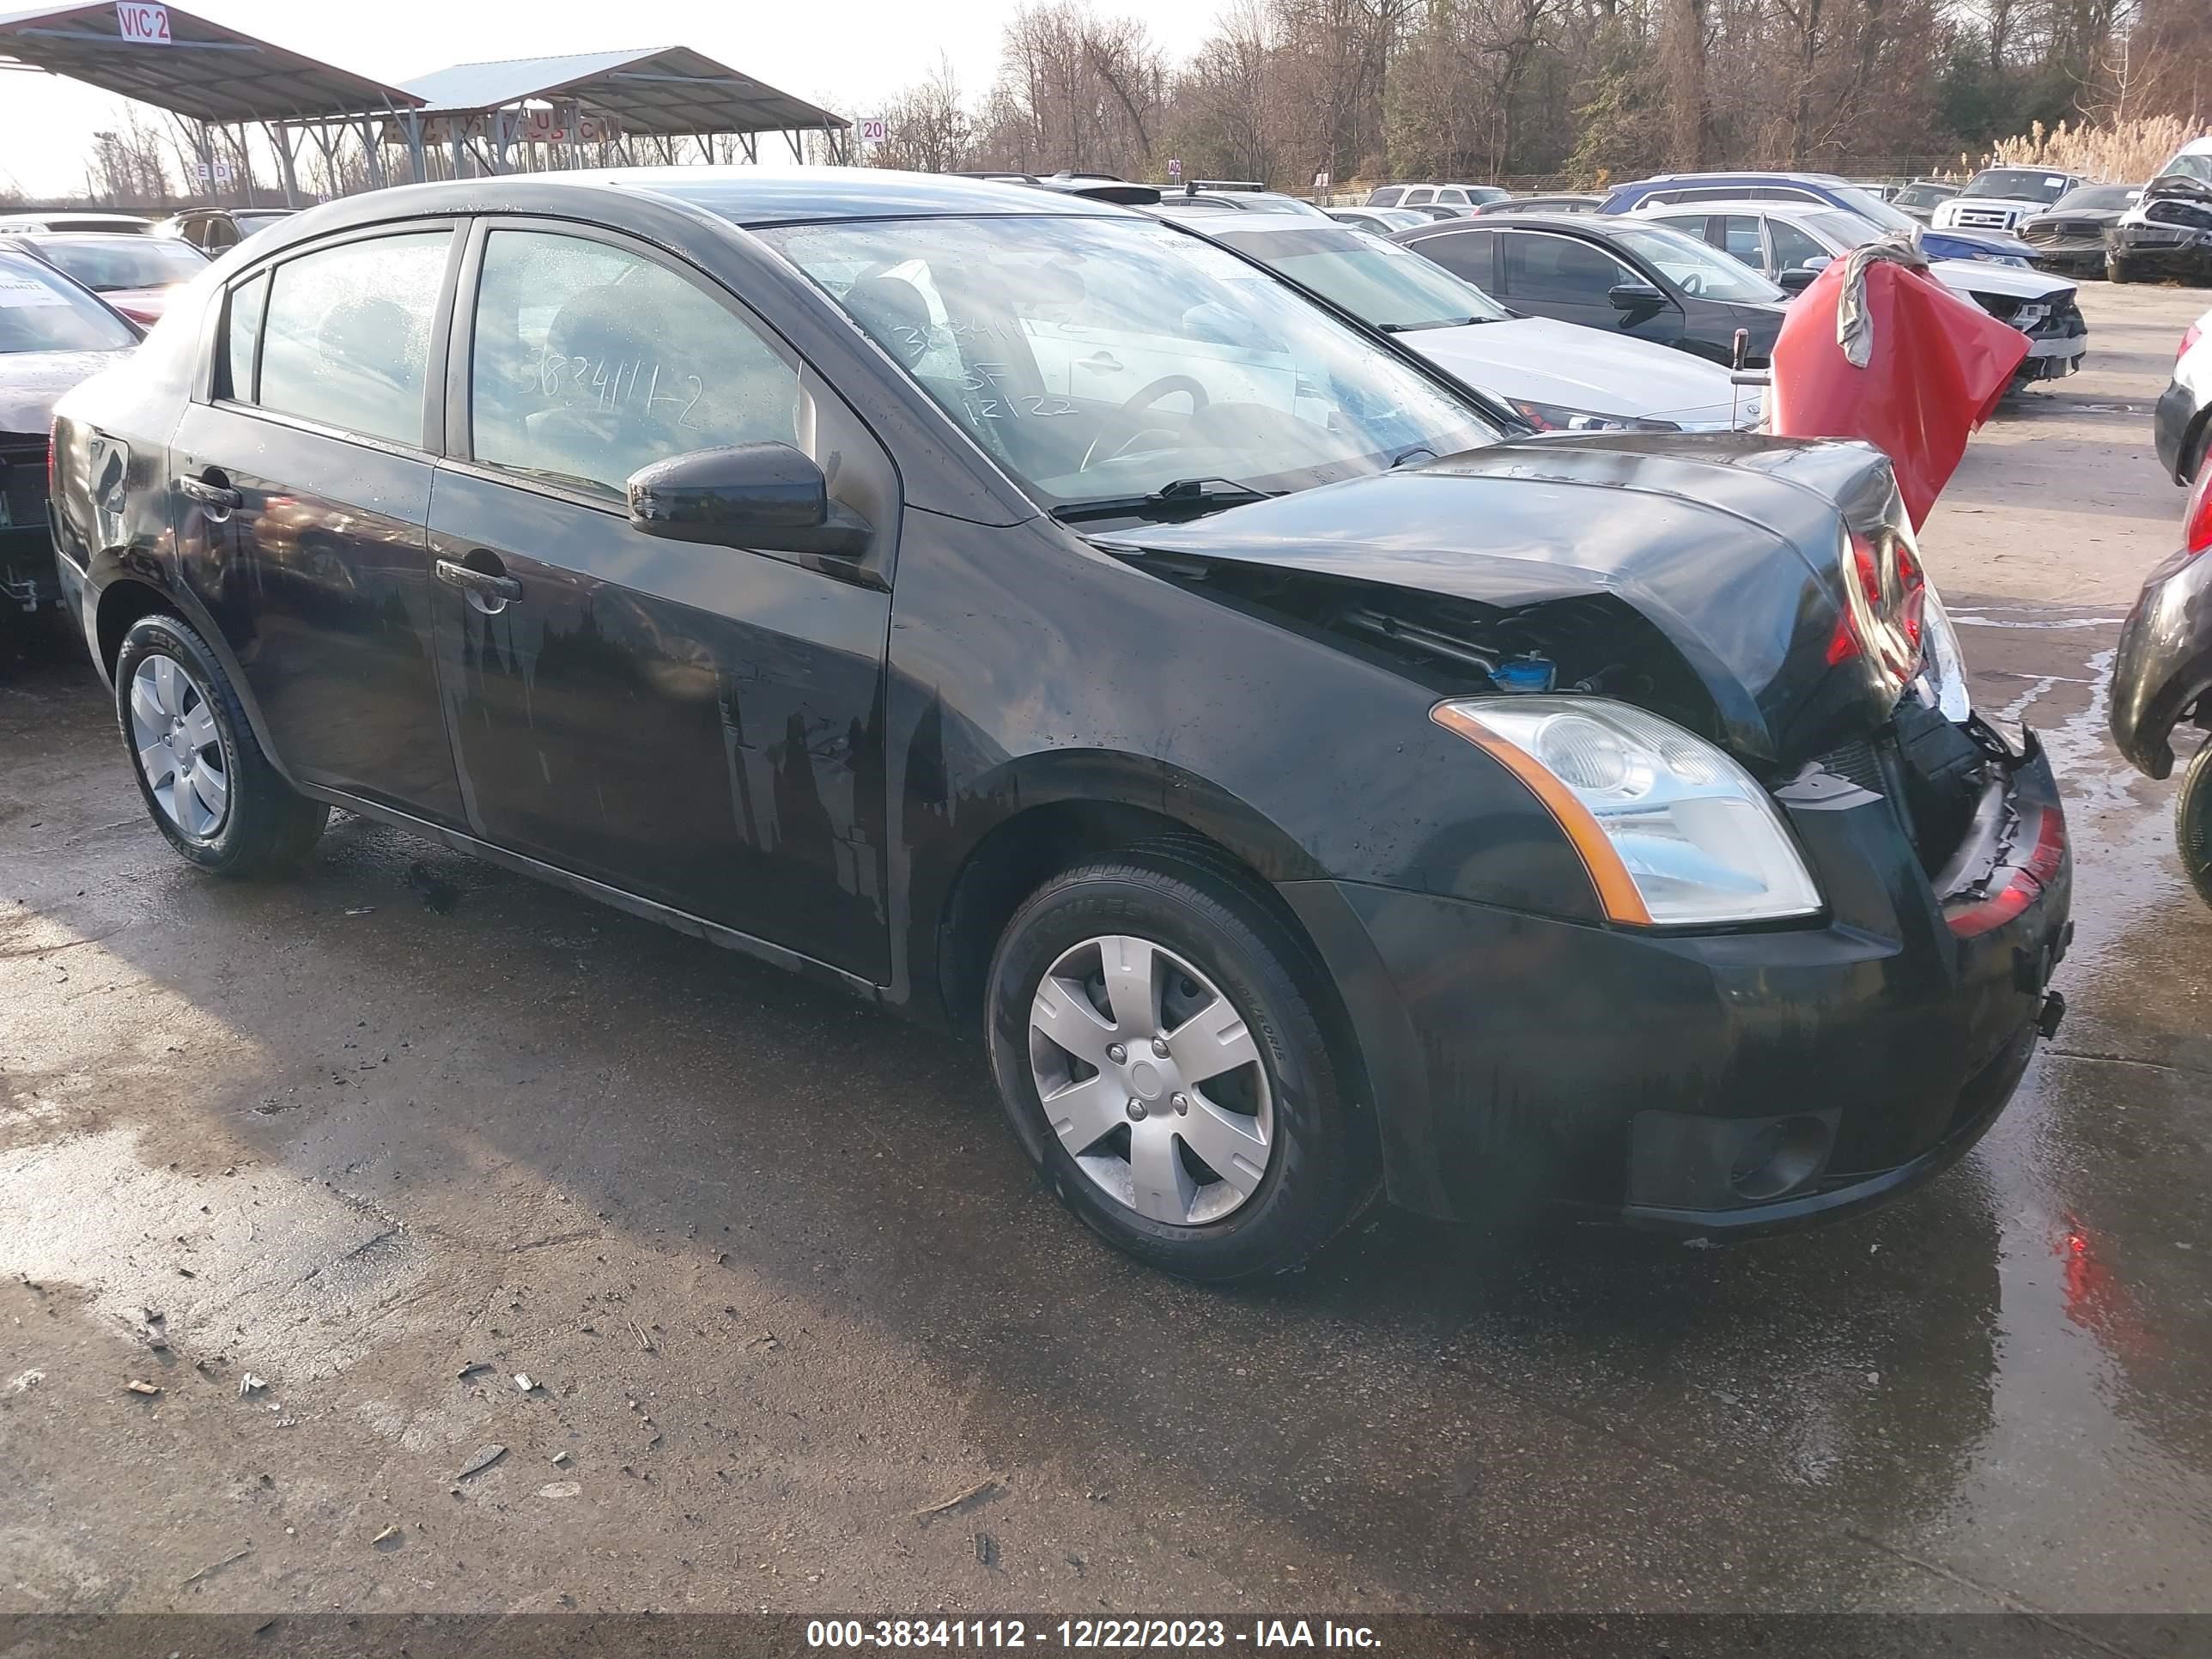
701	726
303	502
1555	275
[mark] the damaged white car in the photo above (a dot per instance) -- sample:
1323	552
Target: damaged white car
1792	242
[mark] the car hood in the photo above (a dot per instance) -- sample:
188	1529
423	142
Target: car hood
32	382
1554	363
1728	544
2007	282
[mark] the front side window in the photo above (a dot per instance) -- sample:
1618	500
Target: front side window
1383	284
1794	249
1696	267
591	361
1099	359
41	310
348	337
1740	239
1417	197
1562	269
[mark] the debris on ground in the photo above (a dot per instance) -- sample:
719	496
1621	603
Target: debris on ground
562	1489
363	910
643	1340
250	1383
385	1536
210	1571
559	1458
138	1387
484	1458
973	1499
436	893
473	1367
987	1550
522	1381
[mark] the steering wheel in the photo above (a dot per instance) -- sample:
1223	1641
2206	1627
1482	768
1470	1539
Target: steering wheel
1124	425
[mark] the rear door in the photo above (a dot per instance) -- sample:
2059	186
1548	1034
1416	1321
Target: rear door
700	725
302	484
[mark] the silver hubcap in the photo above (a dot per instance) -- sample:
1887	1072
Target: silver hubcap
1152	1080
180	750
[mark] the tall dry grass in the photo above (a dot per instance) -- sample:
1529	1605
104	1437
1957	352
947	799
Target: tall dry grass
2124	153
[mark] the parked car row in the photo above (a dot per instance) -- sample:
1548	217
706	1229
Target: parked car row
820	564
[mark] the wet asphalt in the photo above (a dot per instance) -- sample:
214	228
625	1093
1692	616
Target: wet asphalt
803	1333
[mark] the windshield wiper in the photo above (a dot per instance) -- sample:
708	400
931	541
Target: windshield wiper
1180	498
1434	322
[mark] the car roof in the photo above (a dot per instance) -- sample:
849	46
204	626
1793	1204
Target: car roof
1730	178
1260	219
1574	222
1743	204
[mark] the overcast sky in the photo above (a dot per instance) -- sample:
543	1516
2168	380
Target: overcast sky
855	52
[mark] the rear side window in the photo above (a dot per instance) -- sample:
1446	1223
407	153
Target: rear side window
1452	197
590	362
348	333
1415	198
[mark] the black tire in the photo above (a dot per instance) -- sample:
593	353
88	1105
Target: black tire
2192	822
1321	1170
2117	270
266	827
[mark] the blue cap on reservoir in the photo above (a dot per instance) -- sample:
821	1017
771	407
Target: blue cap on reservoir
1523	674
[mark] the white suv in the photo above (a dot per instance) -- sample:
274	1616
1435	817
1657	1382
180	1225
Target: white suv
1998	198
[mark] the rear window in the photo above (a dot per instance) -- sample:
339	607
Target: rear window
43	310
347	337
110	265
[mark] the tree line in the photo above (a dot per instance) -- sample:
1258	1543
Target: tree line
1554	91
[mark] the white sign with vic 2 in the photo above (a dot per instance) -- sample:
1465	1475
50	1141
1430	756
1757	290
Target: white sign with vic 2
142	26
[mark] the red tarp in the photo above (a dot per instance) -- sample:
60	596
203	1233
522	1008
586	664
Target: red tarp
1938	365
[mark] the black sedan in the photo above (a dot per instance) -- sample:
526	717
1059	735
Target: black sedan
2068	236
53	333
1299	790
1616	273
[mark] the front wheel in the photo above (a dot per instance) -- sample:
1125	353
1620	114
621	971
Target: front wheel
2192	822
1160	1053
206	783
2117	270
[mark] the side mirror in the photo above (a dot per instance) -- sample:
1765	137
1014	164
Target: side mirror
1635	296
1797	279
761	495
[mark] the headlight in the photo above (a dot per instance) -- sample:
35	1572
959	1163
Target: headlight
1557	418
1672	832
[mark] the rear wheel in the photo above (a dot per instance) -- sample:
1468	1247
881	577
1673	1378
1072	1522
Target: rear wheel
206	783
1155	1043
2192	822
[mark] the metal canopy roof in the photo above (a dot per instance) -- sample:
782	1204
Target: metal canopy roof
657	89
207	72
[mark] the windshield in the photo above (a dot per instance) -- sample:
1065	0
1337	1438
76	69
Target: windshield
2188	164
1868	206
108	265
1841	230
1101	359
2098	198
1381	283
1696	268
42	312
1926	195
2017	185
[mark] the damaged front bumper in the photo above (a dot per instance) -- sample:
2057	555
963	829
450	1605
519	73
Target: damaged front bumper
2170	250
1715	1084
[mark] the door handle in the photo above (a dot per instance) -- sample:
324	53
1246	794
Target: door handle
483	585
218	498
1104	361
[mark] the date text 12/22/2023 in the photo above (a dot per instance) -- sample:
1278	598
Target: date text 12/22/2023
1079	1634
